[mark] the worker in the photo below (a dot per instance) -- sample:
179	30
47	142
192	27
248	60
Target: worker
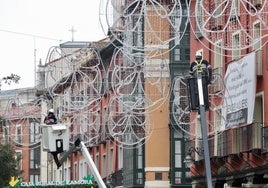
201	65
50	118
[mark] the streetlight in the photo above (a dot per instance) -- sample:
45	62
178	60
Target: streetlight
189	161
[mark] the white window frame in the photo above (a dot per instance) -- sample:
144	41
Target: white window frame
236	53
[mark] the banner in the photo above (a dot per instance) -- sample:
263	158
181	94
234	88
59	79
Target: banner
239	97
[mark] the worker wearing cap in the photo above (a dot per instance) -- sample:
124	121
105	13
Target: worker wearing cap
201	65
50	118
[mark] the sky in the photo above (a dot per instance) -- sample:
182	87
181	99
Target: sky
29	28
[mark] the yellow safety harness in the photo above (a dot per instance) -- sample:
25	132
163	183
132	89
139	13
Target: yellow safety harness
199	65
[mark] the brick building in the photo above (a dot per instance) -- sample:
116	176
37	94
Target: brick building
237	143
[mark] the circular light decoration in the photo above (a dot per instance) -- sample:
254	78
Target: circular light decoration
145	25
225	24
22	117
180	105
54	52
186	120
86	126
140	79
75	81
127	123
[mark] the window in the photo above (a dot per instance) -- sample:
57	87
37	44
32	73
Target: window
140	156
257	47
257	35
18	137
34	130
217	118
32	158
217	68
81	170
120	157
187	53
60	175
67	173
178	176
216	19
31	178
137	37
178	158
111	161
75	171
97	161
177	54
237	6
36	157
104	164
34	178
140	178
236	46
218	55
139	164
199	19
84	168
198	131
258	120
178	169
235	10
177	21
19	156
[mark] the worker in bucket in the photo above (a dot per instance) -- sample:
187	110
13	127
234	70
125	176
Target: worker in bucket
50	118
201	65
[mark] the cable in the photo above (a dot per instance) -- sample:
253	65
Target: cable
30	35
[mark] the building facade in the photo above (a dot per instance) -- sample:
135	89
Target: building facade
236	131
20	126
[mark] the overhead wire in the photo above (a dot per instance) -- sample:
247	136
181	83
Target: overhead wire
30	35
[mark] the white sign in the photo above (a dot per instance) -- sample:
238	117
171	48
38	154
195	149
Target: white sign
239	97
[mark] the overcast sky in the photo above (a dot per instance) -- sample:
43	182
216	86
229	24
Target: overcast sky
28	28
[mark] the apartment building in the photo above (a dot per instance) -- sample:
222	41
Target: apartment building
236	131
20	126
89	87
153	153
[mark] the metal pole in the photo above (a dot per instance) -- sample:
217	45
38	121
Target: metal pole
92	165
88	158
204	130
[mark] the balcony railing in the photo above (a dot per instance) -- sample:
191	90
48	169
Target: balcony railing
236	140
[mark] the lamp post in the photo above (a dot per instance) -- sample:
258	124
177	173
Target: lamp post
189	161
202	109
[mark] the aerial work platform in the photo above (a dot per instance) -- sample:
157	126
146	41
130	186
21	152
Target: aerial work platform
55	138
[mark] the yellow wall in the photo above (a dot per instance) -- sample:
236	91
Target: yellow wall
157	150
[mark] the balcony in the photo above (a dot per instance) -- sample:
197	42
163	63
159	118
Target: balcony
239	151
236	140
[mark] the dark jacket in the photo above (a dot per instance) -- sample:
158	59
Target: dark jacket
203	66
50	119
